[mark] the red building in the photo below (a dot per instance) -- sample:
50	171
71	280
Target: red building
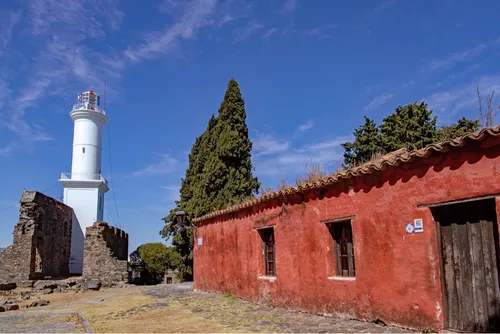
411	240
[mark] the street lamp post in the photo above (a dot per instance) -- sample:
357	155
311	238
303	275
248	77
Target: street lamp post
180	216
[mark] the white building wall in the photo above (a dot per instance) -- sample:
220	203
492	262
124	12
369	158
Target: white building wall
84	202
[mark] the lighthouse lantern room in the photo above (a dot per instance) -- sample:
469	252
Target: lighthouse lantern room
84	187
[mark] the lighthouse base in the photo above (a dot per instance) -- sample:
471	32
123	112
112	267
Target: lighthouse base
86	198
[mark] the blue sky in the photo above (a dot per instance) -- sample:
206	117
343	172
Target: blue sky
308	70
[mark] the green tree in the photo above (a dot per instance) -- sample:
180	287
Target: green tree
462	127
410	126
157	258
366	143
228	172
219	173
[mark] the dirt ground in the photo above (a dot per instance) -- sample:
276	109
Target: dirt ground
168	308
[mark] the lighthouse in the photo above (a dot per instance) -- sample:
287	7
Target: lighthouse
84	187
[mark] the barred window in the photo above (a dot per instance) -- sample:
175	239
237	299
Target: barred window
341	233
267	235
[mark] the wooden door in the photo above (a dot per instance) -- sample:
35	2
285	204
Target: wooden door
469	239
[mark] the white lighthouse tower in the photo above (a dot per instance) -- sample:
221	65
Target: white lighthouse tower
85	187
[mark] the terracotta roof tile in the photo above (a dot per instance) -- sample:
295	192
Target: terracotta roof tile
392	159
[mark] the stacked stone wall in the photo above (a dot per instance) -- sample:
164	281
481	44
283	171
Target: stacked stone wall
105	254
42	240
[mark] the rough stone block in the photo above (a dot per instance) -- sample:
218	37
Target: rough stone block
92	284
38	303
11	307
7	286
42	285
25	284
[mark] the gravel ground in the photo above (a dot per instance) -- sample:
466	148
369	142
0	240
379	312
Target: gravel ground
41	322
239	314
229	313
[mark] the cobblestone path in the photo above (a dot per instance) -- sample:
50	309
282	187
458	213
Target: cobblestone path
239	315
170	308
41	322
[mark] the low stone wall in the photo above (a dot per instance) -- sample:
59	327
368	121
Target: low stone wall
105	254
42	240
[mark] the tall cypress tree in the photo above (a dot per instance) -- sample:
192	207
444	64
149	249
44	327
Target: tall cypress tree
228	172
219	173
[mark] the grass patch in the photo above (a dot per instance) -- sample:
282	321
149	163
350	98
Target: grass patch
229	295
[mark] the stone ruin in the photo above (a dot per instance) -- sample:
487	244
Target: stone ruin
105	254
38	260
42	240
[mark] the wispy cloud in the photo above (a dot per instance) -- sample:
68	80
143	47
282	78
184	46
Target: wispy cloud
378	101
225	19
167	164
290	5
7	23
409	83
321	31
266	144
382	7
193	15
290	161
171	192
5	150
241	34
447	103
268	33
306	126
454	58
58	57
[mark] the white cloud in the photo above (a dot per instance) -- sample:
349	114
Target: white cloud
7	23
306	126
290	161
5	150
242	34
268	33
378	101
463	97
167	164
193	15
454	58
321	31
409	83
58	58
171	193
290	5
225	19
265	144
328	144
383	7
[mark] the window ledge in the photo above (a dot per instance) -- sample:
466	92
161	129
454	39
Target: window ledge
267	278
341	278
